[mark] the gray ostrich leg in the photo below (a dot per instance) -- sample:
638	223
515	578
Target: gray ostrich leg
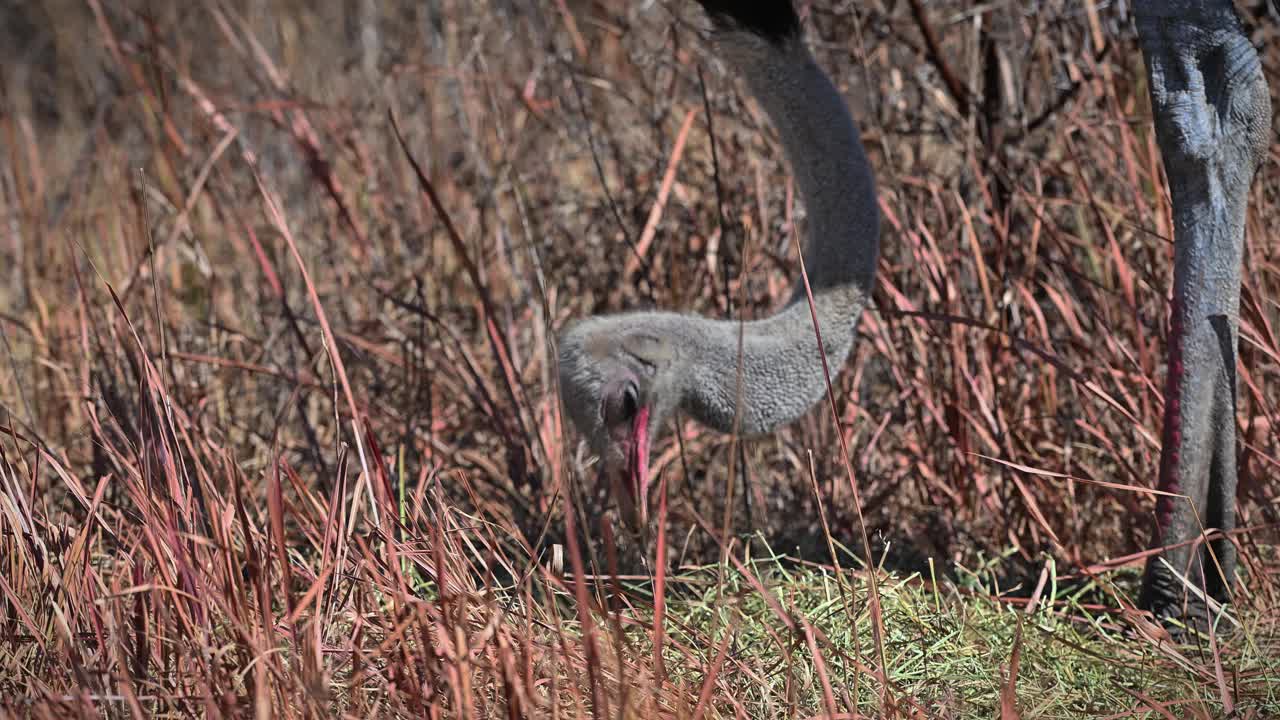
1212	112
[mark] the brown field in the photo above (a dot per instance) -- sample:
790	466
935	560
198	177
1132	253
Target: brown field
279	432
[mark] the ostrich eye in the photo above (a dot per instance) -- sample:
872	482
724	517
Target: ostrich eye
650	350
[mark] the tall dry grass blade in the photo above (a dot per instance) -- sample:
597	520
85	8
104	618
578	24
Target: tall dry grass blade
276	215
713	673
595	668
497	339
873	590
1009	690
660	595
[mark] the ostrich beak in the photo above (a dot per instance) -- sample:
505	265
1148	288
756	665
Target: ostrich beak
638	467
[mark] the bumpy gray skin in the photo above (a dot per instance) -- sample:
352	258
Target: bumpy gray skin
1212	113
692	363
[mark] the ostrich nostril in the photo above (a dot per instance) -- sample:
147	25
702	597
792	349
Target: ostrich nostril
619	402
630	403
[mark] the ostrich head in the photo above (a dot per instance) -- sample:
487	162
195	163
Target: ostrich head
619	382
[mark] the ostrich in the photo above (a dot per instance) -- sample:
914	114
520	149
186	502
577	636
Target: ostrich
621	375
1212	111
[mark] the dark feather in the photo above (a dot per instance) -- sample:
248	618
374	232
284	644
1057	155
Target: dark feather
773	20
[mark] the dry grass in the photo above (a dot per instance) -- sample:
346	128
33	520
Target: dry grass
274	438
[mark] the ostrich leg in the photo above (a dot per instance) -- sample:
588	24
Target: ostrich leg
1212	114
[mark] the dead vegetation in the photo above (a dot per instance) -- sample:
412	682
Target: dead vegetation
278	431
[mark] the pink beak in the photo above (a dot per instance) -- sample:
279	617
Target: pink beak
638	464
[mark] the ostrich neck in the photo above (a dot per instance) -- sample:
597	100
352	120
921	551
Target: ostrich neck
781	368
